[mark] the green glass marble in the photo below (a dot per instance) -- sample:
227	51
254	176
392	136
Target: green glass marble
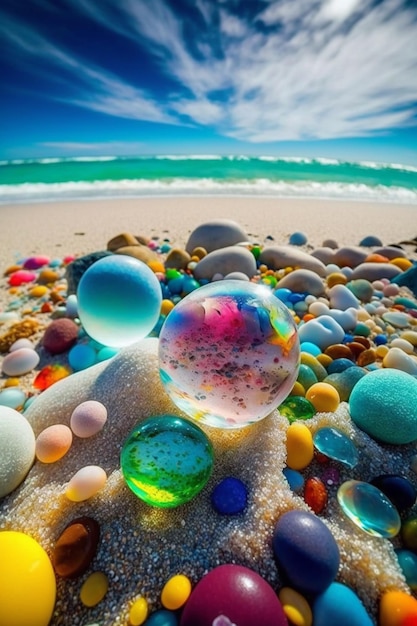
166	461
297	408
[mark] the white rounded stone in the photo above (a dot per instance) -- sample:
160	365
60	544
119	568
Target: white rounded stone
17	449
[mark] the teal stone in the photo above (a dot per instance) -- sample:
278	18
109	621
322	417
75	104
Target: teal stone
361	288
336	445
339	605
166	461
384	405
407	302
295	479
362	330
297	408
369	508
119	300
345	381
306	377
407	560
12	397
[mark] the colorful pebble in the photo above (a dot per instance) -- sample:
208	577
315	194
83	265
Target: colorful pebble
323	397
397	608
88	418
295	607
138	612
300	448
94	589
230	496
76	547
53	443
20	362
176	592
335	444
339	605
86	483
315	494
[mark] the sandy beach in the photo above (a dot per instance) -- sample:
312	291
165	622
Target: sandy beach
141	547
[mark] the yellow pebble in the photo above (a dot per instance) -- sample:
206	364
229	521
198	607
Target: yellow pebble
138	612
166	307
324	359
176	592
94	589
300	447
323	397
298	390
296	607
336	278
11	382
396	607
288	270
403	264
381	351
157	266
38	291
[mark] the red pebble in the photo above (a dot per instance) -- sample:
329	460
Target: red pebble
20	277
315	494
35	262
49	375
60	335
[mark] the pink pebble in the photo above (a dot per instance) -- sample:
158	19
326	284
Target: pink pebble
20	277
88	418
86	483
391	290
35	262
53	443
20	361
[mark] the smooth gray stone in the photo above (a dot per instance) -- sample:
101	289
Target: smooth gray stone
302	281
225	261
279	257
375	271
216	234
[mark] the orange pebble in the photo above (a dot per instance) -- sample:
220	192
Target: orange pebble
157	266
376	258
336	278
53	443
166	307
403	264
397	608
307	317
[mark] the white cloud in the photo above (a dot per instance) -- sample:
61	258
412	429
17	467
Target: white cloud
114	148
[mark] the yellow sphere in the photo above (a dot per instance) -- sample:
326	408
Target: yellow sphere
176	592
138	612
94	589
27	581
323	397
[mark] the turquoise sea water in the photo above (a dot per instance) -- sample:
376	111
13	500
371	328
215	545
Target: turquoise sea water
42	180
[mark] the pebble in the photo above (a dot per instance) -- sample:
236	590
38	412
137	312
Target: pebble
12	397
216	234
383	404
88	418
396	319
139	252
86	483
125	239
314	364
296	408
398	489
324	254
370	241
306	376
17	449
407	560
230	496
299	444
408	279
345	381
36	262
338	604
390	252
315	494
94	589
138	612
280	257
162	617
335	444
397	608
224	261
306	551
237	593
362	289
20	362
342	298
369	508
21	277
60	336
176	592
323	397
295	479
303	280
349	256
177	259
53	443
409	532
27	581
22	343
296	607
82	356
297	239
76	547
375	271
323	331
78	267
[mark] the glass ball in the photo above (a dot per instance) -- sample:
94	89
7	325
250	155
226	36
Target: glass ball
229	353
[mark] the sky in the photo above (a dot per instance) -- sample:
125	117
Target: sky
314	78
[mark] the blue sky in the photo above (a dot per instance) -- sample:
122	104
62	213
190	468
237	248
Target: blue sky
335	78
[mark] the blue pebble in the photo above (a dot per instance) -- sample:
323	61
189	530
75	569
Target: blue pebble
294	478
82	356
348	338
310	347
407	560
298	239
339	365
282	294
339	605
189	284
176	285
306	552
165	247
294	298
398	489
335	444
162	618
230	496
380	340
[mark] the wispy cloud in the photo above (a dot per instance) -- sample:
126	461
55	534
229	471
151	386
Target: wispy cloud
310	69
113	148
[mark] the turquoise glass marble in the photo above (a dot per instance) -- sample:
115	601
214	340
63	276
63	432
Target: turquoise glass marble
369	508
166	460
297	408
336	445
119	300
229	353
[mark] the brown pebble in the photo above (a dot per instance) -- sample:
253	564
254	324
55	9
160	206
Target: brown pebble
366	357
363	340
47	276
140	252
177	259
122	240
339	351
76	547
60	335
336	278
199	252
356	348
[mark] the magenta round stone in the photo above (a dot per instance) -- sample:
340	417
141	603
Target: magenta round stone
236	593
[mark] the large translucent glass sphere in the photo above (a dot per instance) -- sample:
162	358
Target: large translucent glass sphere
229	353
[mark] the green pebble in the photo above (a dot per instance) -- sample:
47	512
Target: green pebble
362	329
306	376
297	408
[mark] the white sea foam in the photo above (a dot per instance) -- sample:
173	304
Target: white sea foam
42	192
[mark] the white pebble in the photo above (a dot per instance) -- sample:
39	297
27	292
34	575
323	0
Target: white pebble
88	418
21	343
20	362
86	483
403	345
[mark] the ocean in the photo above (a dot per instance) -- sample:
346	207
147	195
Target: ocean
58	179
